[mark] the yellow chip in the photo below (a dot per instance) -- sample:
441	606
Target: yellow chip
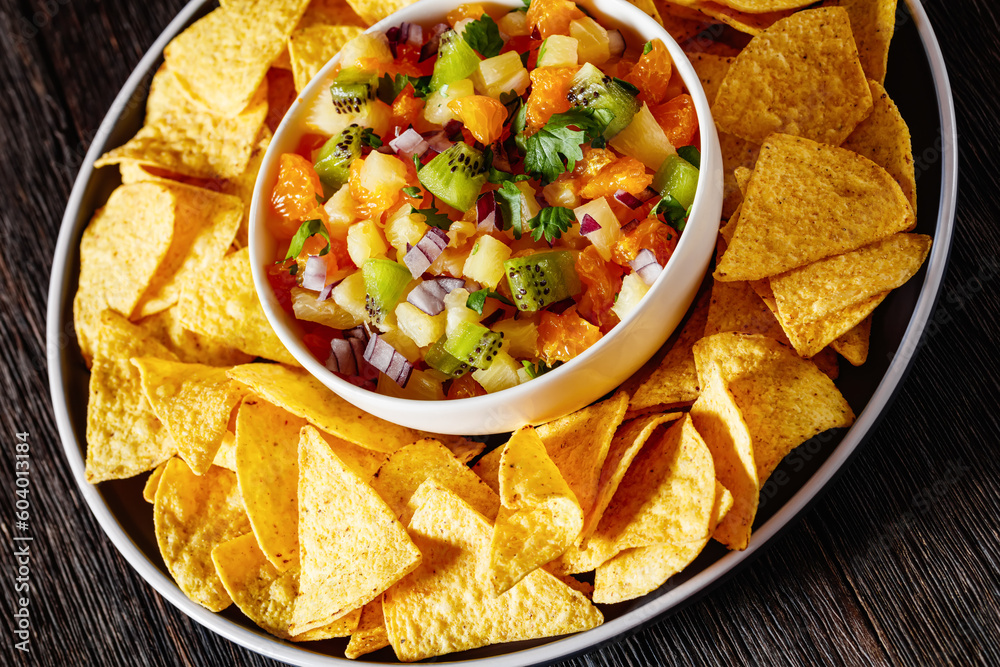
310	48
265	594
370	634
736	154
242	186
121	250
181	137
406	469
711	71
853	345
303	395
226	456
445	606
194	403
464	449
884	139
189	347
683	28
811	50
351	547
194	514
488	469
372	12
751	24
764	6
807	201
210	305
539	515
152	483
124	437
873	23
648	7
222	59
578	444
330	12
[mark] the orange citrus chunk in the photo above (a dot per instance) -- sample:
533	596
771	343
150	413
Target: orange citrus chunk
549	86
294	195
626	174
481	115
565	336
651	75
678	119
552	17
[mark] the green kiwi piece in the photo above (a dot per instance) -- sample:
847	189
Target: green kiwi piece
593	89
678	178
439	359
353	91
456	60
455	176
333	163
385	281
474	344
541	279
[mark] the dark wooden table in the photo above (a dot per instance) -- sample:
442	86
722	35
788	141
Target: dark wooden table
898	563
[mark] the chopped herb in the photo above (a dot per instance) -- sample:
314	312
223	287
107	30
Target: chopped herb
483	35
307	229
499	177
647	47
556	147
524	58
542	49
421	85
417	163
509	198
538	369
319	200
691	154
389	87
629	88
551	222
527	6
477	300
412	191
369	138
435	218
672	210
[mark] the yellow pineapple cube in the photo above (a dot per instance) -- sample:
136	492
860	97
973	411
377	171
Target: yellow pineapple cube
520	337
328	312
421	328
593	45
404	229
644	140
502	373
422	386
558	51
633	289
436	105
349	294
364	241
341	209
501	74
605	238
457	312
485	262
514	24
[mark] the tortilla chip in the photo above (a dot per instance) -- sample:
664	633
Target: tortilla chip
121	250
330	12
124	437
226	456
488	469
351	547
736	153
737	307
194	514
152	483
305	396
189	347
265	594
648	7
764	6
813	291
873	23
373	12
221	59
242	186
445	606
194	403
683	29
181	137
310	48
807	201
464	449
751	24
884	139
578	444
853	345
539	515
370	634
810	338
210	304
406	469
711	70
811	50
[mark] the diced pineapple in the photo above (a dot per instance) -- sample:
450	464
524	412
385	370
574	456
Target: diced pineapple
350	295
365	45
523	375
450	262
501	74
460	231
328	313
422	329
605	238
402	343
558	51
633	289
404	229
456	310
436	105
514	24
644	140
323	118
502	373
341	211
364	241
593	45
520	337
485	262
563	193
382	177
422	386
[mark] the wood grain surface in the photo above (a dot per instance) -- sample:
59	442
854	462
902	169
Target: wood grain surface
899	563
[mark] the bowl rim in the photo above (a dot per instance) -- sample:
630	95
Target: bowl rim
561	648
705	214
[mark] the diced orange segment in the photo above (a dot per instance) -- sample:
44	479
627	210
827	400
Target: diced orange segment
552	17
406	108
472	10
678	119
603	280
626	174
294	195
549	86
651	233
465	387
651	75
481	115
376	183
592	162
565	336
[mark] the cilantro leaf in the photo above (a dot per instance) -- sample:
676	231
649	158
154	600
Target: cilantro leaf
557	146
389	87
499	177
509	198
369	138
306	230
483	35
417	163
672	211
527	6
421	85
690	154
412	191
647	47
435	218
551	222
536	370
477	299
629	88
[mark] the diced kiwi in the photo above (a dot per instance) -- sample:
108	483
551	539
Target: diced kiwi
456	60
335	157
542	278
353	92
474	344
385	281
593	89
440	359
678	178
455	176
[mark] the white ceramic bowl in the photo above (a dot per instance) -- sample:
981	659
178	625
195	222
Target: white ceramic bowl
584	379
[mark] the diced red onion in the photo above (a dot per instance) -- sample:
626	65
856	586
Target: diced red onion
646	266
452	127
342	358
438	142
434	41
358	332
487	212
588	225
616	43
429	295
314	275
409	143
327	291
428	248
415	37
385	358
629	200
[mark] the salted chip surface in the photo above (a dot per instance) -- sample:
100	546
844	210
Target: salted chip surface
310	48
194	403
226	456
370	635
182	137
211	304
192	515
873	23
407	468
445	606
488	469
539	515
807	201
853	345
301	394
152	482
120	251
810	338
578	444
124	436
811	50
330	12
265	594
745	22
221	59
884	138
189	347
737	153
351	546
711	70
372	12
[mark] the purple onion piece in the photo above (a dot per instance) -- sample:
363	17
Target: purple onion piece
434	41
452	127
385	358
419	257
629	200
646	266
415	36
616	42
409	143
327	291
588	225
486	213
358	332
314	275
438	142
342	359
429	295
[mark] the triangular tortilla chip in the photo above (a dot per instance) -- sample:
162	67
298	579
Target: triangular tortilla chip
351	547
736	153
370	634
853	345
152	483
488	469
191	348
751	24
454	606
711	70
226	456
873	23
310	48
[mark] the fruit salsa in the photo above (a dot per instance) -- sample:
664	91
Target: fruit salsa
476	202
